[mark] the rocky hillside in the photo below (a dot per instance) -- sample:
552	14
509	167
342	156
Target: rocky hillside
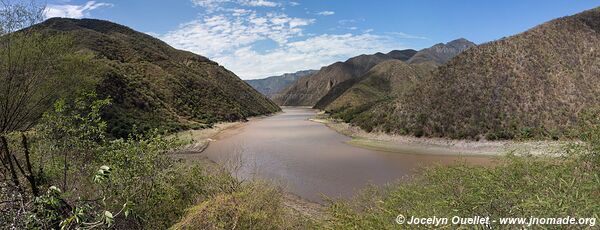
309	90
441	53
534	84
272	85
381	83
429	58
153	85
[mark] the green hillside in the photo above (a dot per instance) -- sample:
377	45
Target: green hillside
432	56
153	85
381	86
311	89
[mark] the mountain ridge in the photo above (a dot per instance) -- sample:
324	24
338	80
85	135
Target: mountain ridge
272	85
308	91
440	53
429	57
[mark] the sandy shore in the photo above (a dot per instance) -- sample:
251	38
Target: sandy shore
440	146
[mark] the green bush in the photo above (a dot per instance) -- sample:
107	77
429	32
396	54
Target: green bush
141	186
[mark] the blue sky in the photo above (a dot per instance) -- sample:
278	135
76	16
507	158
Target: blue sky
259	38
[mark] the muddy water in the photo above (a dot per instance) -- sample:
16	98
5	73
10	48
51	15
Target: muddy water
311	160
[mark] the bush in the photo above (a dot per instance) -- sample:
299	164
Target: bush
254	205
93	181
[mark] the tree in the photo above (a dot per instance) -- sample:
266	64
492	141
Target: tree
30	80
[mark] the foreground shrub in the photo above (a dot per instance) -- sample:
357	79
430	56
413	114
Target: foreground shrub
254	205
87	180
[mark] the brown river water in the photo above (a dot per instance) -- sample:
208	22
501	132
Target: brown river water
311	160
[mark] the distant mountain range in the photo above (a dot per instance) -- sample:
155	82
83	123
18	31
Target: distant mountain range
153	85
325	86
379	84
441	53
534	84
272	85
309	90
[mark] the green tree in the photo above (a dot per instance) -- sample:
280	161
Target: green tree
32	77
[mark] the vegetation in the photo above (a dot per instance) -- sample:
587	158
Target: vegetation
74	159
516	187
253	205
310	90
92	181
151	84
365	101
64	161
532	85
379	86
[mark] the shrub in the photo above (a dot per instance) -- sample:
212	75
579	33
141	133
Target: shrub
253	205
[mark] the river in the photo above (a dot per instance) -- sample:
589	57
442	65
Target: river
311	160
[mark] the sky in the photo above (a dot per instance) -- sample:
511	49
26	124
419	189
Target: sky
261	38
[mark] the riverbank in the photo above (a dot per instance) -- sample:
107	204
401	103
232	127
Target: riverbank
439	146
198	140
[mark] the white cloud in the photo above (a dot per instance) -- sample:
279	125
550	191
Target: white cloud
73	11
256	44
311	53
230	42
218	34
259	3
326	13
209	3
294	3
214	5
406	36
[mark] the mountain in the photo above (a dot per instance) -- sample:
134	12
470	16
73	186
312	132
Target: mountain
402	55
153	85
430	57
441	53
271	85
381	83
536	84
308	90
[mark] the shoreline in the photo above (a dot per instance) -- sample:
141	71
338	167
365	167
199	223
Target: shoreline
198	140
439	146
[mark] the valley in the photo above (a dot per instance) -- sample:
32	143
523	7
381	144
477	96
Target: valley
361	124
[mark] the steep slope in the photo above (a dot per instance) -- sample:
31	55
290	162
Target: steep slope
441	53
153	85
432	57
380	83
534	84
271	85
402	55
309	90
